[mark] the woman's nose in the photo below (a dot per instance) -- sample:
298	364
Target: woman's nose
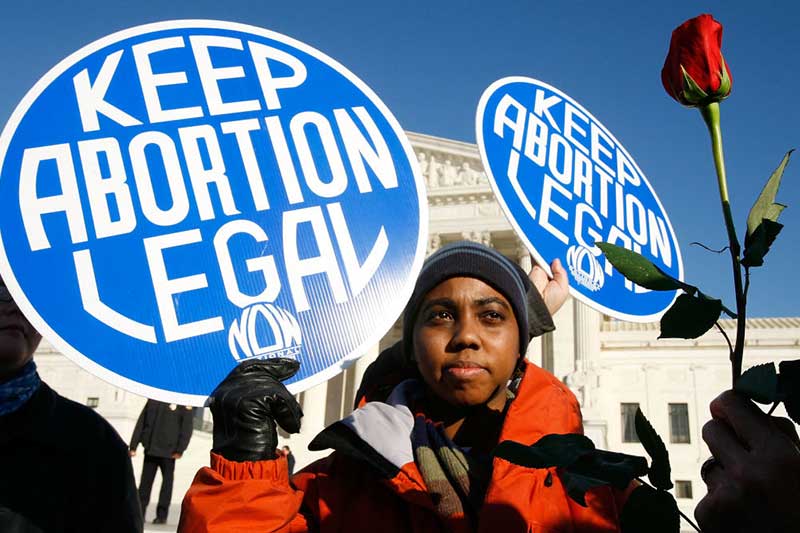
466	335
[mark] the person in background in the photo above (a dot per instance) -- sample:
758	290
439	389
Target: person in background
64	468
287	452
164	429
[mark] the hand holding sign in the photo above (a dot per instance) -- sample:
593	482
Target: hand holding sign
554	291
247	405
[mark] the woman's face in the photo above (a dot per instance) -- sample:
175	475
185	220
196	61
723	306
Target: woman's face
466	343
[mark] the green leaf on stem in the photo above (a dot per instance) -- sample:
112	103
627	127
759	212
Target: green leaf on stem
789	388
762	221
659	474
689	317
580	465
759	383
650	510
641	270
765	206
757	245
600	467
616	469
550	450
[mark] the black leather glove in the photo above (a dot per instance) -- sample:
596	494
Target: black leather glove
246	405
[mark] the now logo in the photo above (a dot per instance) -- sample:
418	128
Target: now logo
265	331
585	268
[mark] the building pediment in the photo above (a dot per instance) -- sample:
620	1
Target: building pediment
453	170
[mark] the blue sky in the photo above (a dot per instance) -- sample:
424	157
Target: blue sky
430	62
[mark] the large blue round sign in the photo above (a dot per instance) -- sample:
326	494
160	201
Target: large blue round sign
179	197
564	183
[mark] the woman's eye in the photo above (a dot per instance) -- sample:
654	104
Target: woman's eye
441	315
493	316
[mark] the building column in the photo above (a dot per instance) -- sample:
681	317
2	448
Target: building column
548	353
584	380
314	402
586	340
524	258
587	336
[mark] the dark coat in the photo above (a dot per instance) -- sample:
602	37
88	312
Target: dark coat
64	469
163	429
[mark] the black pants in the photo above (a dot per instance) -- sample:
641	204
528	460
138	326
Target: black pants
167	466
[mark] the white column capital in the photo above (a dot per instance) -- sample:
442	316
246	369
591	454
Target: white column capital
523	257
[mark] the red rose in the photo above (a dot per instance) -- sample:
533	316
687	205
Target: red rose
695	73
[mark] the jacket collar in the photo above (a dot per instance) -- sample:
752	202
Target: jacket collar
378	434
543	405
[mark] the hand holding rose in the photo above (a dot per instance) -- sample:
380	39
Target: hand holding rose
754	480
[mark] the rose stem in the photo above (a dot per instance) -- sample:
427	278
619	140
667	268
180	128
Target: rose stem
710	114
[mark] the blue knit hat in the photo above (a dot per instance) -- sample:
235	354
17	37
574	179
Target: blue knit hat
473	260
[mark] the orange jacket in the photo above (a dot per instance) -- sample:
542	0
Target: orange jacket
371	483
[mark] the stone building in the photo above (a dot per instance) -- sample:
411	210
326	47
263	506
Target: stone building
612	366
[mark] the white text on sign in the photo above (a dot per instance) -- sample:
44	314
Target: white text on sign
583	165
119	180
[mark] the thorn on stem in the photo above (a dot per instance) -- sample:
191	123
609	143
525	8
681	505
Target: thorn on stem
701	245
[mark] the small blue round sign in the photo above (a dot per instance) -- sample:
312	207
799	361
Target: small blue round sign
179	197
564	183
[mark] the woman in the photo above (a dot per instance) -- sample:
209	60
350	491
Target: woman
419	460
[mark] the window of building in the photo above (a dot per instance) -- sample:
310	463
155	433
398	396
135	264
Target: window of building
93	402
683	489
679	423
628	413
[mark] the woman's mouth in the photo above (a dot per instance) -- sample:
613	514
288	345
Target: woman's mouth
464	370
